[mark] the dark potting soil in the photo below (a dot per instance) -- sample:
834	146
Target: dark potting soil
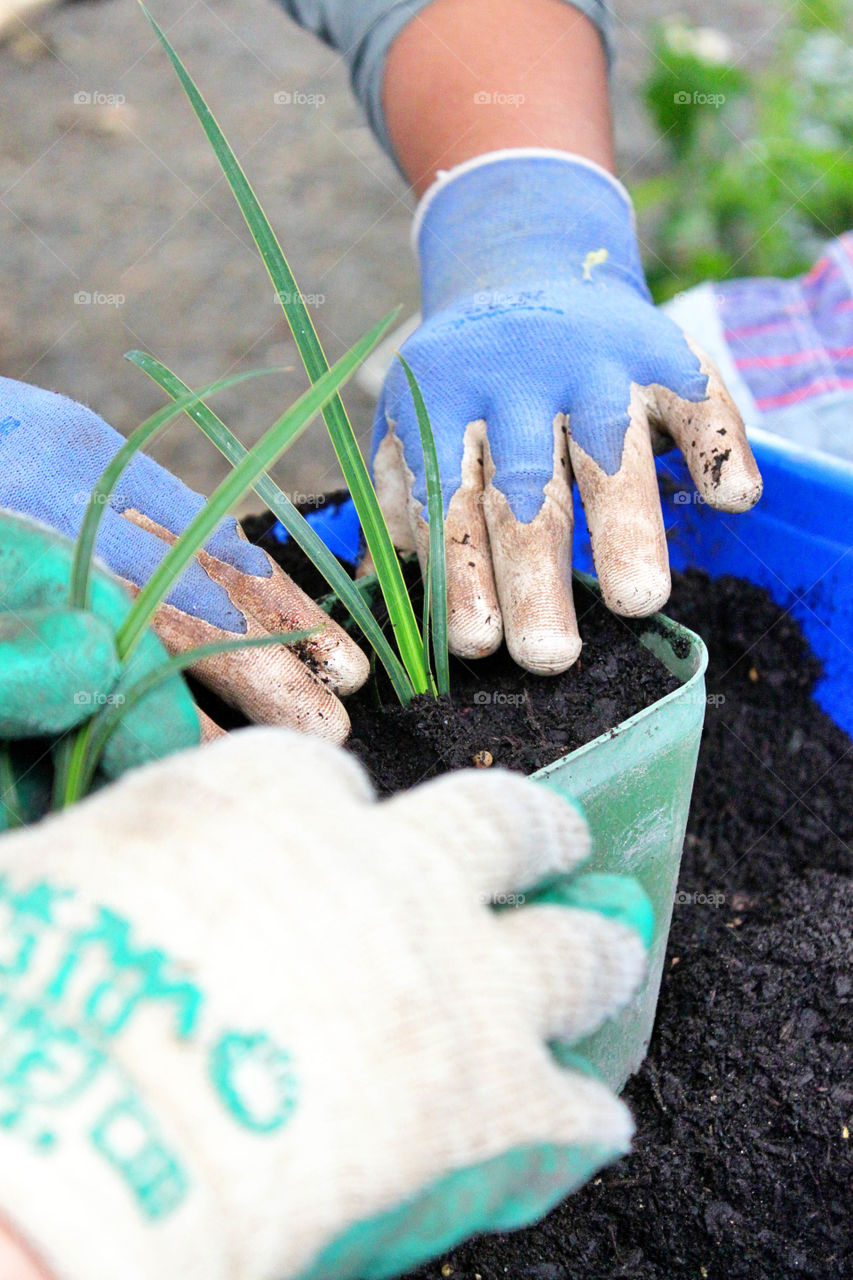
741	1168
505	715
522	721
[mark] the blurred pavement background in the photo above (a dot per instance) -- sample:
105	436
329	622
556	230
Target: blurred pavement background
109	192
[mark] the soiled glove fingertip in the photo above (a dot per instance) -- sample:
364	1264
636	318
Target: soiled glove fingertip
636	592
545	652
345	668
471	637
738	490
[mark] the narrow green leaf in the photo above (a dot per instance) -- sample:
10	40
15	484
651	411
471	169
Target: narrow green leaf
437	564
271	445
9	789
84	547
426	613
386	563
70	779
348	592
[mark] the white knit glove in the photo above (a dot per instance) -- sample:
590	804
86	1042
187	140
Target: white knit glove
255	1025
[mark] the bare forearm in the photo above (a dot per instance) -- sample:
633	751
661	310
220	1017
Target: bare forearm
470	76
16	1262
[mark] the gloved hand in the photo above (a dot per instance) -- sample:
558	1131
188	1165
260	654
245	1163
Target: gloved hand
241	1043
541	357
52	450
58	665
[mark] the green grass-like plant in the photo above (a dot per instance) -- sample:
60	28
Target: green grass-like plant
78	756
419	651
412	643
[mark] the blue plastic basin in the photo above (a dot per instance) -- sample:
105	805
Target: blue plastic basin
797	542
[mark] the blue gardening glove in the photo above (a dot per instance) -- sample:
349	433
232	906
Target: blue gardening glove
542	358
52	450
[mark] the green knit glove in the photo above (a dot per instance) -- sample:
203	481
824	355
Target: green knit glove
58	665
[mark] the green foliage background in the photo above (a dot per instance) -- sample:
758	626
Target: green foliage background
756	184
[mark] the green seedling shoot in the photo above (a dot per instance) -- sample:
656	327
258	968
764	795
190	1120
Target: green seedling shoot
410	670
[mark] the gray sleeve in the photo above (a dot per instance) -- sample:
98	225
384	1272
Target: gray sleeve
363	30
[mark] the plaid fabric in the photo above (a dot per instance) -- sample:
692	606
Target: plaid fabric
792	340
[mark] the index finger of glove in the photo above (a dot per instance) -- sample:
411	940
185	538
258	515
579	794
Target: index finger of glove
507	832
530	522
279	605
273	603
586	940
473	615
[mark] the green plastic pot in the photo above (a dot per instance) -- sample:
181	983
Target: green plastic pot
635	784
